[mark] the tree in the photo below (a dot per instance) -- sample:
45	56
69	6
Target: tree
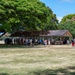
68	23
67	18
52	21
25	14
2	29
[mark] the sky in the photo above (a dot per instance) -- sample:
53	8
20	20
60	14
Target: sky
61	7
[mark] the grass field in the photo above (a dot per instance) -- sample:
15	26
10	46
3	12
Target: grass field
38	60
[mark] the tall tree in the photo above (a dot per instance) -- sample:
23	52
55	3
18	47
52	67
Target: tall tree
68	23
26	14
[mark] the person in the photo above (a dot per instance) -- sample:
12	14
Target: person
68	42
33	42
72	42
45	42
30	42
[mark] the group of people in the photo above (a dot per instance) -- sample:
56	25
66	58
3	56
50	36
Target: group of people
33	41
25	41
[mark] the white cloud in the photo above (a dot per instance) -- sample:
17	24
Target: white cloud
59	18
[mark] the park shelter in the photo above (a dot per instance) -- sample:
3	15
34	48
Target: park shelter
53	36
57	36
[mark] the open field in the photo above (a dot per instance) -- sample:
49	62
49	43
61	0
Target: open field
38	60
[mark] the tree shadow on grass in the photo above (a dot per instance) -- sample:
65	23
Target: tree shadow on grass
12	46
7	74
20	46
4	74
61	71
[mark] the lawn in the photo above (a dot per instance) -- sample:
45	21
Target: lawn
38	60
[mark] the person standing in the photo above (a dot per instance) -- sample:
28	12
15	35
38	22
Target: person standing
68	42
73	42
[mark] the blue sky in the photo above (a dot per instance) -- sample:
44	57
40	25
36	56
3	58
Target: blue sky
61	7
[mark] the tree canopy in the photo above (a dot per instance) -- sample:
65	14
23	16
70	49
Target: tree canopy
68	23
68	18
26	14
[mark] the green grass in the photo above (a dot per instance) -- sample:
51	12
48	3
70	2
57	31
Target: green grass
37	60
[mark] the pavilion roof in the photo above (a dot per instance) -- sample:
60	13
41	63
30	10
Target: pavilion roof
28	33
41	33
58	33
